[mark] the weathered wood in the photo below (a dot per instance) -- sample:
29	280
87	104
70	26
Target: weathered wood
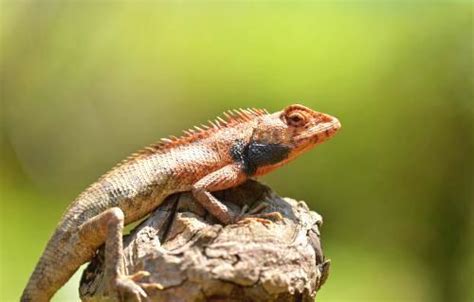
196	259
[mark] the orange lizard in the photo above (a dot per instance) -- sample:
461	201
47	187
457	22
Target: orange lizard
248	143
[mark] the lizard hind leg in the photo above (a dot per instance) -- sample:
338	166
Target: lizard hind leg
109	224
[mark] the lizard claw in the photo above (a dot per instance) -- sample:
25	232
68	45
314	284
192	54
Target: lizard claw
246	215
130	287
248	219
129	290
259	208
139	276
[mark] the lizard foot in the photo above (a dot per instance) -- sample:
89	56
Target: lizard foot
247	216
264	218
131	288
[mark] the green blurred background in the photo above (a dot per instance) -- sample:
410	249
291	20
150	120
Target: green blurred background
83	84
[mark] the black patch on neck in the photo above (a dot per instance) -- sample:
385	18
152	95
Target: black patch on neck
257	154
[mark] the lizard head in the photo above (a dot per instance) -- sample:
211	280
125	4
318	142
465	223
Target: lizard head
304	128
284	135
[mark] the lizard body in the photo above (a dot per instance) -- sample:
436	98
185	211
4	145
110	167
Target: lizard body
248	143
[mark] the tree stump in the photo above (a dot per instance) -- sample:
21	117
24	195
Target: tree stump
195	258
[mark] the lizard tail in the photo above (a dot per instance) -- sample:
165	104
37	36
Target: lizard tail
54	268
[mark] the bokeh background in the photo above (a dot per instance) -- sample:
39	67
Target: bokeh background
85	83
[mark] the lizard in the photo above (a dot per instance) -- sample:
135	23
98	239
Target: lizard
247	143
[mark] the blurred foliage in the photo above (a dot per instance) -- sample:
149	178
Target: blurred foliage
84	83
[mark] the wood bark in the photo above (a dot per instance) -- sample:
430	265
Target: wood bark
194	258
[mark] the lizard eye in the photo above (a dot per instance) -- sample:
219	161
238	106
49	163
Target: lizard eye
296	119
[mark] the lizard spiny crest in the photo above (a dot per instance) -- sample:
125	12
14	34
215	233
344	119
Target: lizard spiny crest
232	117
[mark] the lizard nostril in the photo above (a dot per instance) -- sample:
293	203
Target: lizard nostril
324	118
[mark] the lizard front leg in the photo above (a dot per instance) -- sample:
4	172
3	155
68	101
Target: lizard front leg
120	285
227	177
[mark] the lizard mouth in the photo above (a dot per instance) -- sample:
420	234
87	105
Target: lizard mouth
320	132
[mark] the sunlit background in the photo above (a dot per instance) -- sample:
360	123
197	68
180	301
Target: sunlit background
85	83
